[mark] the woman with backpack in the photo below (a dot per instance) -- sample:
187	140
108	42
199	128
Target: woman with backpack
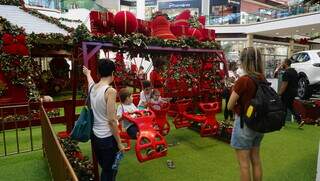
105	138
244	140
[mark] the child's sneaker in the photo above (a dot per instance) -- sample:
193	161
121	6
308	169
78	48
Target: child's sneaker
301	124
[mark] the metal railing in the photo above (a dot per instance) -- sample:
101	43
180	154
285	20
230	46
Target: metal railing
18	119
60	167
18	122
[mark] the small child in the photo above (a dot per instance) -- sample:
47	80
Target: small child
156	99
145	95
126	105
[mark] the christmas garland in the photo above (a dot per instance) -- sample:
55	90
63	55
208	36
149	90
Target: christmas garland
70	20
10	2
82	166
49	19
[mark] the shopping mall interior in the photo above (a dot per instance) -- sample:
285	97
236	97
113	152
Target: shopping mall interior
190	51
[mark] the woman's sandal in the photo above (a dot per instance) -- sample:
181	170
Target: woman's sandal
170	164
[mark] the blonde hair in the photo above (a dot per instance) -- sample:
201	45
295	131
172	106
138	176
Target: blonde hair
251	61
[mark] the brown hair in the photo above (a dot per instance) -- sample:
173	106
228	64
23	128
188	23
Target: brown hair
251	61
124	93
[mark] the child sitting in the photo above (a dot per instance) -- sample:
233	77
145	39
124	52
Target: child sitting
145	95
126	105
156	99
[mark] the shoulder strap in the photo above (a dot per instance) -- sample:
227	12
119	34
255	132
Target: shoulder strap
88	102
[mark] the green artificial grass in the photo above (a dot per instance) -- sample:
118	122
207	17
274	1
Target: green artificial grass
289	155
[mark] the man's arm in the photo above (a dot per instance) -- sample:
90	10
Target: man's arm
283	87
110	97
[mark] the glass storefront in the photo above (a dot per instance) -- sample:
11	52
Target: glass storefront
173	8
232	49
272	55
52	4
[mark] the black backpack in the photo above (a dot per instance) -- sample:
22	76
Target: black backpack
265	113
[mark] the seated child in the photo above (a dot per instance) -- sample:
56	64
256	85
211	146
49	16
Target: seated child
126	105
156	99
145	95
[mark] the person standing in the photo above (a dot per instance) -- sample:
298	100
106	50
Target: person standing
105	138
244	140
289	88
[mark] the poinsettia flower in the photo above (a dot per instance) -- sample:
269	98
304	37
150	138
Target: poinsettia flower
22	50
208	66
7	39
10	49
21	39
78	155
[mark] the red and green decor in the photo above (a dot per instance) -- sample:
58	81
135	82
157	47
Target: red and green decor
81	164
18	71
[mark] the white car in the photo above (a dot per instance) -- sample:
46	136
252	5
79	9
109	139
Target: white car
307	64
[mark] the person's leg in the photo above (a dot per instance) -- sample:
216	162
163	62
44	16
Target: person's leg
243	157
132	131
293	112
256	163
106	149
226	111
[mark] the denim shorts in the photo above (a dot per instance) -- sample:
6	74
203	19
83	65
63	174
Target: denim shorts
244	138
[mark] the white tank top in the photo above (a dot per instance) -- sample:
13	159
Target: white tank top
101	128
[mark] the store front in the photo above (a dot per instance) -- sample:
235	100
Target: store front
150	7
273	52
173	8
225	12
51	4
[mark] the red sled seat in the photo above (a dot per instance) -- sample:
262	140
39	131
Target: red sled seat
161	117
147	138
180	121
211	125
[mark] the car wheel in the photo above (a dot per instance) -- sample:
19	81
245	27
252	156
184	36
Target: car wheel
303	88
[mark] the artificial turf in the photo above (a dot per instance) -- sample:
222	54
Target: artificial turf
289	154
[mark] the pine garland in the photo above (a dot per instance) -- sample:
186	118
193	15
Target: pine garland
49	19
10	2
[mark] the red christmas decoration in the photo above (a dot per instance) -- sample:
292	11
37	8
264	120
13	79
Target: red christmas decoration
192	32
208	34
156	79
143	27
101	22
125	22
179	30
182	18
14	45
161	28
202	20
7	39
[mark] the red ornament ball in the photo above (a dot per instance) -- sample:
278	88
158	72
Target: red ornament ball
125	22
